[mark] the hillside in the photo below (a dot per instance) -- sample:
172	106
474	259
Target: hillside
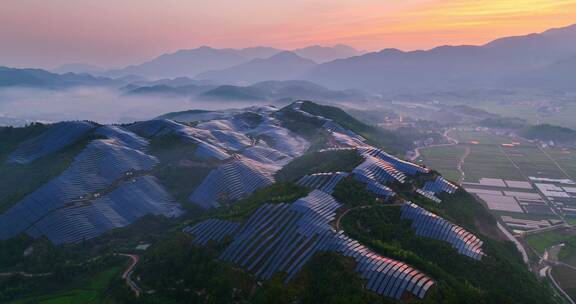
550	133
300	204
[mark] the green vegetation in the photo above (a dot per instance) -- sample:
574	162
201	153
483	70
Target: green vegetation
180	171
550	133
444	159
275	193
326	278
459	278
19	180
353	193
91	289
182	273
306	127
541	241
534	109
378	137
320	162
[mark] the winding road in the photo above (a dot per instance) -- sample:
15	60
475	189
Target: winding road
127	275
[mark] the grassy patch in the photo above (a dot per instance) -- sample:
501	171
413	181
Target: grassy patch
541	241
444	159
376	136
275	193
319	162
91	289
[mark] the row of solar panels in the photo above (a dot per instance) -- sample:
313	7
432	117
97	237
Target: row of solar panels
96	168
430	225
283	237
121	207
56	137
379	170
322	181
211	230
163	127
439	185
123	137
400	165
230	181
429	195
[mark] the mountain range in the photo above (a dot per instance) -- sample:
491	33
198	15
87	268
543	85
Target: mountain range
282	66
504	61
536	61
203	59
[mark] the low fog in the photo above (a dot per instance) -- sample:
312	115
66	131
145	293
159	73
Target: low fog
18	105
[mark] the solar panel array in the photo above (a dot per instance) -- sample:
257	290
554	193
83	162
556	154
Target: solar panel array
322	181
211	230
56	137
429	195
439	185
428	224
268	156
123	137
231	181
283	237
400	165
161	127
96	168
379	170
119	208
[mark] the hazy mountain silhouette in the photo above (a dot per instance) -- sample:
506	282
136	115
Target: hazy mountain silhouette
11	77
448	67
192	62
196	61
78	68
282	66
322	54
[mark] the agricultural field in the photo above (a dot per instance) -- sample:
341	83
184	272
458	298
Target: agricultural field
444	159
565	157
488	158
560	113
540	242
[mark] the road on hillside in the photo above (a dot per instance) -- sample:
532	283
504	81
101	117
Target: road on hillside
127	275
549	259
24	274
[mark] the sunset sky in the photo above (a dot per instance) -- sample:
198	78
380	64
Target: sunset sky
48	33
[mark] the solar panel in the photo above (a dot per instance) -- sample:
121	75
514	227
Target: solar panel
430	225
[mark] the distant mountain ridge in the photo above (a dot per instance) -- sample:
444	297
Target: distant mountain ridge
449	67
37	78
266	90
189	63
282	66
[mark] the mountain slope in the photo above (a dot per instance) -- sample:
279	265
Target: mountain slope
448	67
377	230
282	66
